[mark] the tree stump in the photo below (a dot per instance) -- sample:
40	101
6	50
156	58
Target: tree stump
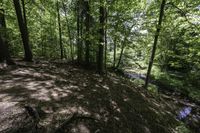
15	118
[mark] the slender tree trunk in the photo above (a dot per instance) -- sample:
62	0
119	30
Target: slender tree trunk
41	36
60	32
121	54
24	12
81	37
162	7
78	30
70	39
69	33
79	44
101	37
87	40
106	43
114	54
4	51
24	31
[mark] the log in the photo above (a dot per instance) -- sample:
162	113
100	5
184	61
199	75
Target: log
15	118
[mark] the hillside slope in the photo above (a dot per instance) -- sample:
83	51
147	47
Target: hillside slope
71	99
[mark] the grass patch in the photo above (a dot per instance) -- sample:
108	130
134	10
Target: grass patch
182	129
176	81
153	89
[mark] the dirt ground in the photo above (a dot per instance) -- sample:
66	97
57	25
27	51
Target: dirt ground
75	100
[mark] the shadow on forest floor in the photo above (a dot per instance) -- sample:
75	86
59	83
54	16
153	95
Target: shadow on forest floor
58	91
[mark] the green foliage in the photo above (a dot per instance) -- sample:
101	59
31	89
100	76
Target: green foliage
181	83
153	89
131	25
182	129
195	94
138	82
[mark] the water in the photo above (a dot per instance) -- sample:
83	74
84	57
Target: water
184	113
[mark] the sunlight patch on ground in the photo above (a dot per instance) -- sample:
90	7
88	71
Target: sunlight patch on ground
80	128
21	71
154	110
42	95
115	106
5	98
105	87
62	93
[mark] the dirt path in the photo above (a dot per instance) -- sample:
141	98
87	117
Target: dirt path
94	104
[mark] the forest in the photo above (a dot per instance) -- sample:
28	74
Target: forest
99	66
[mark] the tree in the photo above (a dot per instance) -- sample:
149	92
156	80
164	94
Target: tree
101	37
79	44
114	49
23	30
4	51
162	7
60	31
87	27
105	37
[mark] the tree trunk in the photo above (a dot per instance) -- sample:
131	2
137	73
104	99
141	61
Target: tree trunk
69	33
4	51
79	44
106	43
101	37
81	37
114	54
24	31
121	54
24	12
17	119
162	7
87	26
60	32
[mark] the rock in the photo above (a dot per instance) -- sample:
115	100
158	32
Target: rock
15	118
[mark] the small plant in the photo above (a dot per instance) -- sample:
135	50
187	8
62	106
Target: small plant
195	94
182	129
138	82
153	89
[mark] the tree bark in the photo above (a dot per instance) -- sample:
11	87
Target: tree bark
121	53
81	35
23	30
106	42
69	32
87	26
79	44
60	32
162	7
24	12
4	51
114	53
101	37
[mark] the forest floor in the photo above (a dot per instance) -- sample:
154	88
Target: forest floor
81	101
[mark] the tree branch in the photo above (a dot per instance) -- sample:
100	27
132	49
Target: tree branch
184	13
